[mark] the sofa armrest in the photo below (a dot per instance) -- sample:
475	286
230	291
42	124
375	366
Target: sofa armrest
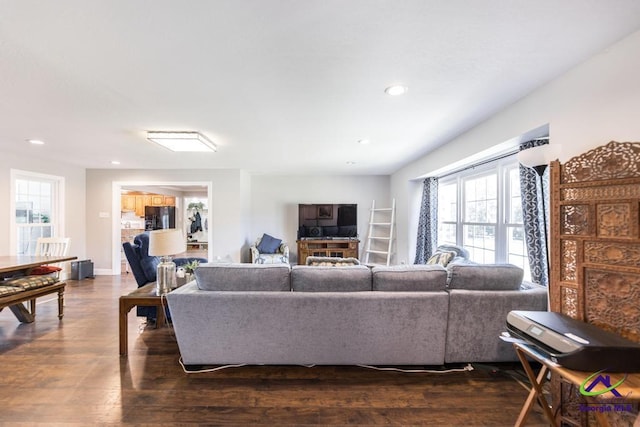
477	318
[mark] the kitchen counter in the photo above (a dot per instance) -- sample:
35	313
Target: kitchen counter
130	233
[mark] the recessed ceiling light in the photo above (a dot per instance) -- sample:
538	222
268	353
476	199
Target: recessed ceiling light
35	141
396	90
364	141
182	141
115	162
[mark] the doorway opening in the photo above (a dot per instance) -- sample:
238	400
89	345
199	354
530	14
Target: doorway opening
135	201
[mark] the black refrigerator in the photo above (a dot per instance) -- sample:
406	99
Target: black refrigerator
159	217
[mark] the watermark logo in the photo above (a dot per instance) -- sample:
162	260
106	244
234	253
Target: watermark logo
588	385
615	403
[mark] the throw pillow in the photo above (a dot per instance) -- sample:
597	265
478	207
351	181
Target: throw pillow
442	258
44	269
268	244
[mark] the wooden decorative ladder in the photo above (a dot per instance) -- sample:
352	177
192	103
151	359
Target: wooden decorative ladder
381	225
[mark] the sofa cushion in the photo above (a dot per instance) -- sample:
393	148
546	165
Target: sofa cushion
268	244
8	290
330	279
277	258
243	277
407	278
31	282
494	277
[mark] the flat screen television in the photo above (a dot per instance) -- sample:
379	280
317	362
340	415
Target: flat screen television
326	221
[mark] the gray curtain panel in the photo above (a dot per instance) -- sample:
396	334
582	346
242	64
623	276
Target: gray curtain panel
534	197
428	222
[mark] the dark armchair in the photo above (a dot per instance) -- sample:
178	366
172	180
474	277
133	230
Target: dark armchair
143	266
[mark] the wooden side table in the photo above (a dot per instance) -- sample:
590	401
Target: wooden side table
630	388
143	296
341	248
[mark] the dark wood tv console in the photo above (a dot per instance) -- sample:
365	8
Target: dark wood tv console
341	248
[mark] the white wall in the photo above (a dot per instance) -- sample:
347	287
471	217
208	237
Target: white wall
588	106
245	220
243	208
275	199
229	232
74	215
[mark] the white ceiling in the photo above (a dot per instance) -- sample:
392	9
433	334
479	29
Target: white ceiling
281	86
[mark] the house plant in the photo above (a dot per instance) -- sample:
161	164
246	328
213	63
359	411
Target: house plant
189	269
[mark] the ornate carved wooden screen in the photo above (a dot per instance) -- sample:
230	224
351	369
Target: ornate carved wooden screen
595	238
595	244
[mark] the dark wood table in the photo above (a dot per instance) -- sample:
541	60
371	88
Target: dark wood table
20	265
11	265
143	296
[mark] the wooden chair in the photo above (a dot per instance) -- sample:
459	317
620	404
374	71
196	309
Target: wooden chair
52	246
49	246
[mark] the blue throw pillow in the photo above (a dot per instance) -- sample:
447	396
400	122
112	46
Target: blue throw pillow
269	244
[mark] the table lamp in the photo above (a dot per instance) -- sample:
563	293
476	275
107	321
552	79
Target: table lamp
164	243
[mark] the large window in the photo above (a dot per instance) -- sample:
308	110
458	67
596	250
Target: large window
480	209
447	212
36	213
480	216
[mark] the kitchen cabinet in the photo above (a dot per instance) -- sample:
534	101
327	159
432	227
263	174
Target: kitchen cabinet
128	203
132	203
137	202
160	200
139	205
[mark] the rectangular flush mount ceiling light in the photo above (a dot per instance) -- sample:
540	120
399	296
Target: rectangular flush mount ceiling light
181	141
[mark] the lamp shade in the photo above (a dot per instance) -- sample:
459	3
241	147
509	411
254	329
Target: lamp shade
540	155
169	241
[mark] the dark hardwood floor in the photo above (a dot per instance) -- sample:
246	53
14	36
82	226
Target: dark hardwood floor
69	372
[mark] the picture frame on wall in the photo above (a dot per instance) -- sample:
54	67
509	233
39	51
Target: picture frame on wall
325	212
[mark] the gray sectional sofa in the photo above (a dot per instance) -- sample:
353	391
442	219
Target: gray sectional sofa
400	315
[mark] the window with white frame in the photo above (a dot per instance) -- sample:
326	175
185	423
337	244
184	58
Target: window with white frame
36	206
447	212
480	209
